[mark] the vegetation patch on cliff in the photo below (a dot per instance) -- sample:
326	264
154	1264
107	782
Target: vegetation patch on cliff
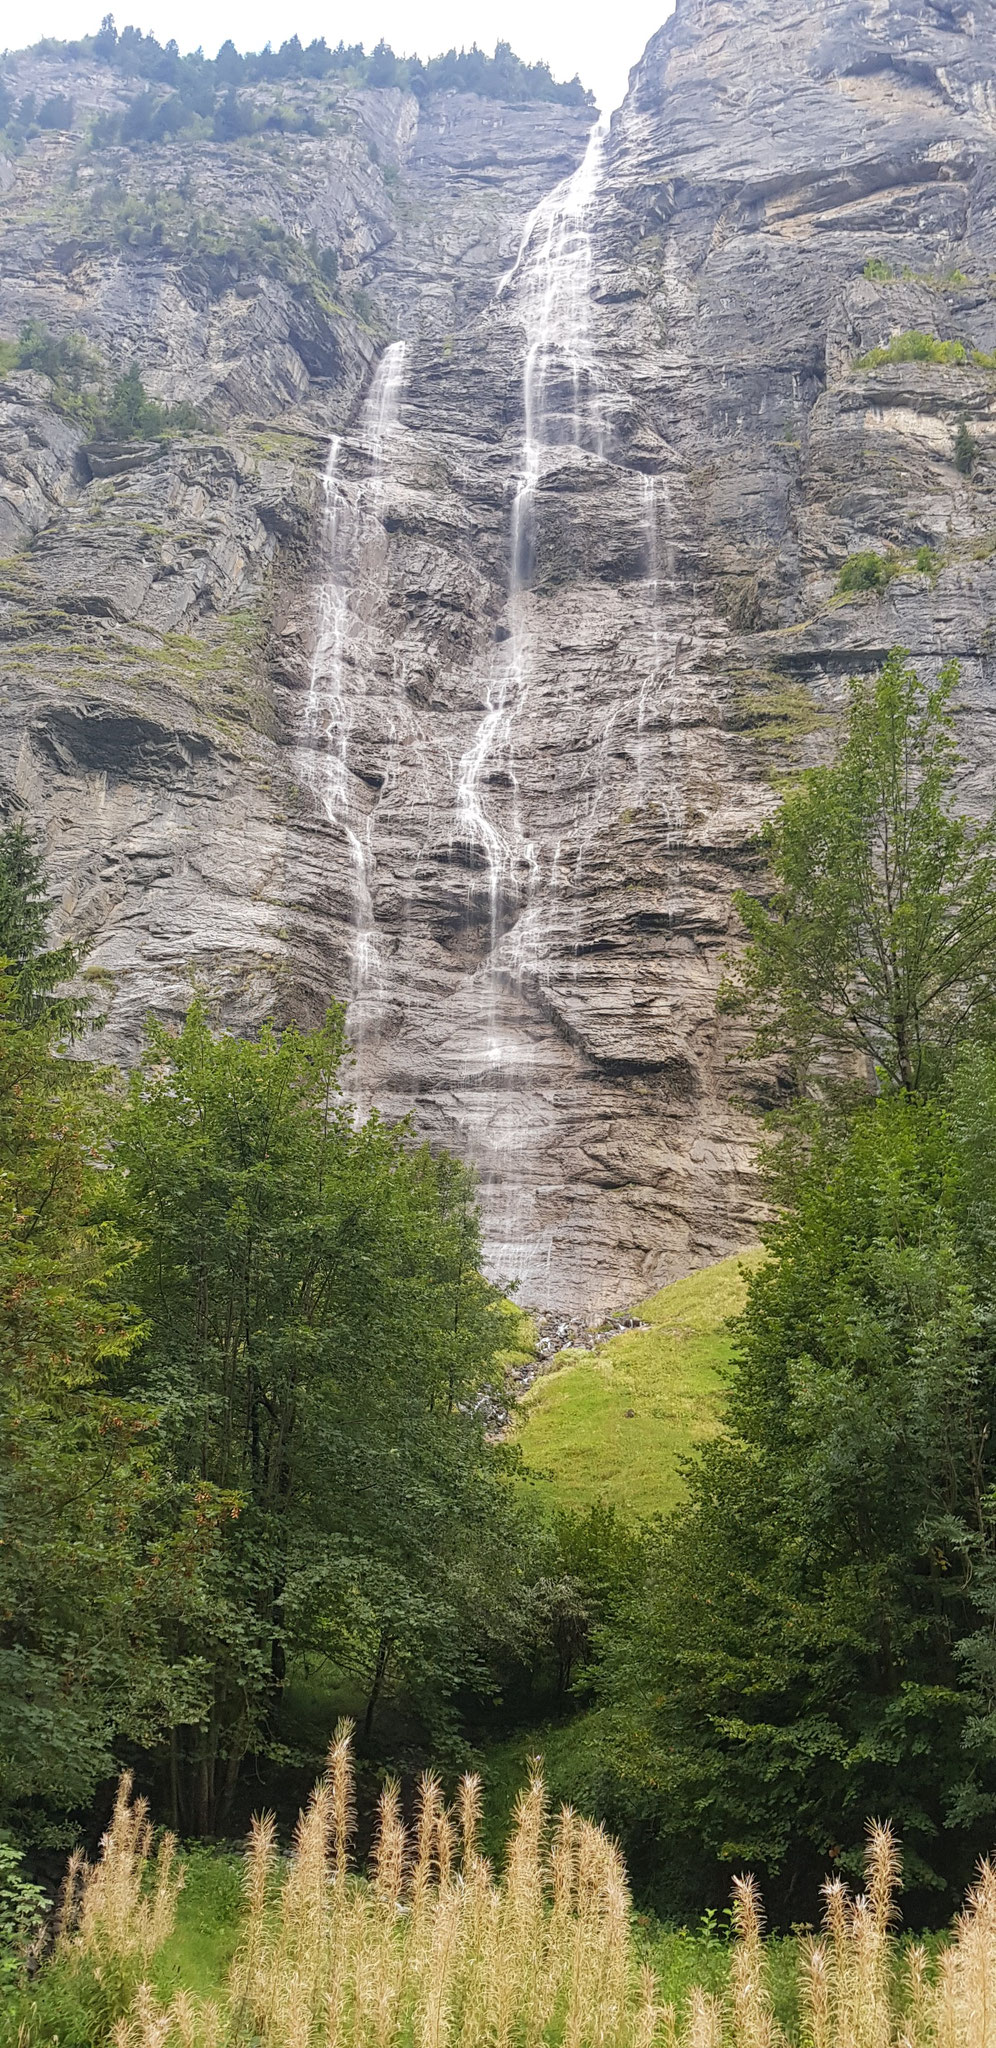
776	710
915	346
230	97
867	570
118	409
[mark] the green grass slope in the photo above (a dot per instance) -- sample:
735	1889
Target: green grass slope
578	1438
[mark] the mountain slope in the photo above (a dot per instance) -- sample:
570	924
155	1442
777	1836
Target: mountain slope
451	667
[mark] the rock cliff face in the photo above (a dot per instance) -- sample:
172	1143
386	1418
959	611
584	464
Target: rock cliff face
452	671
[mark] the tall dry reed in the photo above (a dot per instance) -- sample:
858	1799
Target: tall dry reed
124	1905
437	1950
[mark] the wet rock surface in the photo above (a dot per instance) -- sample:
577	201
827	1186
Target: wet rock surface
474	728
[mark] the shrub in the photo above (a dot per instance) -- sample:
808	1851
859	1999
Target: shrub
131	414
166	223
914	347
325	260
22	1909
75	370
364	306
926	562
868	571
71	362
878	271
55	112
66	358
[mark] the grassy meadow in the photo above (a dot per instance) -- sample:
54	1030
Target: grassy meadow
615	1423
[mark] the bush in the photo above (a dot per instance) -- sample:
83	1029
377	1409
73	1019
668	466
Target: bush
75	371
868	571
364	306
166	223
133	415
22	1910
66	358
878	271
71	363
914	347
55	112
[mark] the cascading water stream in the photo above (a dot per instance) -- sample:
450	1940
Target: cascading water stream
380	417
548	292
351	548
493	957
651	529
656	705
553	272
550	281
324	716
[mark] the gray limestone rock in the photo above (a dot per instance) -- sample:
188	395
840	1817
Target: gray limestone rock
455	678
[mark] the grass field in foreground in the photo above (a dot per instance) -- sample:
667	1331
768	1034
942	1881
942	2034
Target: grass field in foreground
579	1441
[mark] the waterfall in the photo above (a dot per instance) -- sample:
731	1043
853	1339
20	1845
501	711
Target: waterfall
351	545
650	679
560	399
550	284
324	765
380	417
656	703
494	725
547	292
652	531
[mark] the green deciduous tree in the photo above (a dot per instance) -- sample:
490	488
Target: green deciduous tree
81	1599
318	1335
580	1566
877	943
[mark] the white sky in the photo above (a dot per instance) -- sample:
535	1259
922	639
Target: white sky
600	39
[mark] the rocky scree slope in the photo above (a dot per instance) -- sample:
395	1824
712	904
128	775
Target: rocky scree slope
471	718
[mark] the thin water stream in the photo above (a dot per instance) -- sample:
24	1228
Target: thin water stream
352	551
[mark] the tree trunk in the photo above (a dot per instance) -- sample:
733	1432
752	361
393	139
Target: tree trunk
384	1649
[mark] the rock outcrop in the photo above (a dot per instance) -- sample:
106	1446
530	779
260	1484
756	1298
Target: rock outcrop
452	671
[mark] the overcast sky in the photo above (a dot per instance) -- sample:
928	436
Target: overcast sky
600	39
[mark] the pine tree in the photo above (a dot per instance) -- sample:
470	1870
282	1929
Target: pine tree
966	448
35	969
